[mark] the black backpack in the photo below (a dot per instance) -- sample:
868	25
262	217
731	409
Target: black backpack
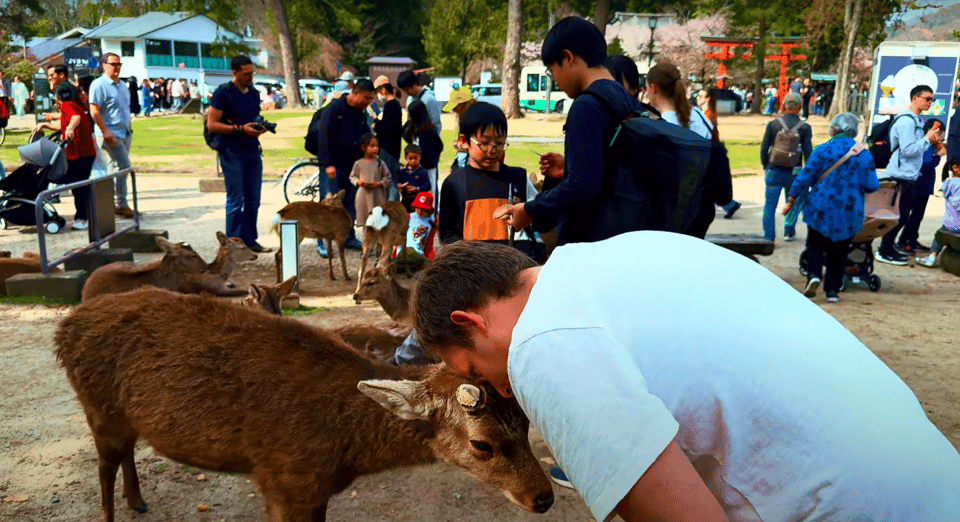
213	140
658	178
311	142
879	142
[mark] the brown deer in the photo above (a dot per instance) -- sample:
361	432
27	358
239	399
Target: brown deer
215	278
386	227
269	298
11	266
179	263
142	368
327	220
376	341
381	284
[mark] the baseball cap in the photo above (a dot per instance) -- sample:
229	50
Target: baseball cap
380	81
458	96
347	76
423	200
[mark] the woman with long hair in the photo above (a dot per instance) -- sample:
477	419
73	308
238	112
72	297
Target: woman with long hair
668	94
419	130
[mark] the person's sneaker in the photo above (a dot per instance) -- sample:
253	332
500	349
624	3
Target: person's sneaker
733	210
124	212
892	258
557	475
322	248
353	244
915	247
80	224
258	248
929	260
811	289
789	237
833	297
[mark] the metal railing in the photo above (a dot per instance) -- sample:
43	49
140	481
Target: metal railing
96	240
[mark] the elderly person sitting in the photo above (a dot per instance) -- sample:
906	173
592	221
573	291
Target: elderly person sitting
838	174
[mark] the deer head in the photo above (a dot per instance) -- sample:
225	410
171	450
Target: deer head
375	283
237	250
475	428
269	298
185	259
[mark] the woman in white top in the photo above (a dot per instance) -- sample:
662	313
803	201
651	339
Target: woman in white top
667	92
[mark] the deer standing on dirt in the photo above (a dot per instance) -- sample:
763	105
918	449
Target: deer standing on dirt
327	220
178	264
215	278
386	227
269	298
381	284
11	266
142	368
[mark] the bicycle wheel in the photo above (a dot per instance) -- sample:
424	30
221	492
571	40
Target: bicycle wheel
301	182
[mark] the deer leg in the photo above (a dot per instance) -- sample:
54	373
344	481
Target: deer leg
131	484
363	262
108	480
114	440
343	262
329	244
278	263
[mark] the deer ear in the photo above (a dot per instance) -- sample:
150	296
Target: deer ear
284	288
222	238
255	292
166	246
403	398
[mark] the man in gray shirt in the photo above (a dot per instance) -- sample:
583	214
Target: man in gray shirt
908	143
410	84
110	110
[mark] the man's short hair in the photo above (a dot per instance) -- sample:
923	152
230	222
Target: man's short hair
479	117
920	89
239	61
363	86
792	101
407	79
67	92
578	36
61	69
463	276
411	148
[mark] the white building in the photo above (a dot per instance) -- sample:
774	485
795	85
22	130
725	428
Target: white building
170	45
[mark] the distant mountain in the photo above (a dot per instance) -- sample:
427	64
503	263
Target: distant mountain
931	24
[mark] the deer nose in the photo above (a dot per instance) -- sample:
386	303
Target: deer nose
543	502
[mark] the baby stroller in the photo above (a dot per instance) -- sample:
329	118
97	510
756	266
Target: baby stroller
881	213
44	162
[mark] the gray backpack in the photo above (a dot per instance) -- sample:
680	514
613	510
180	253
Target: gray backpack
786	146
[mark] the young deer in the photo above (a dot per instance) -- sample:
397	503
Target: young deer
269	298
11	266
215	278
381	284
142	368
327	220
179	264
386	227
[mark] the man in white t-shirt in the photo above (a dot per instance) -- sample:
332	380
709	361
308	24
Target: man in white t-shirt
661	405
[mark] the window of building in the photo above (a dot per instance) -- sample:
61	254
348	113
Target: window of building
158	47
126	48
533	83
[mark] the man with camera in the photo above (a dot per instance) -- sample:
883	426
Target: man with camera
234	113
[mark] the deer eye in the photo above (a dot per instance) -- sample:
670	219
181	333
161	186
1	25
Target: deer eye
481	446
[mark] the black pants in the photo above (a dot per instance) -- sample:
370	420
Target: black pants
79	170
911	230
820	249
906	206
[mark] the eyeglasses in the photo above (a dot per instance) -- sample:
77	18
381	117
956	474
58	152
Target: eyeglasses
118	64
488	147
549	74
928	98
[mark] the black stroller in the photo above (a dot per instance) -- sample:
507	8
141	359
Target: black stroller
44	162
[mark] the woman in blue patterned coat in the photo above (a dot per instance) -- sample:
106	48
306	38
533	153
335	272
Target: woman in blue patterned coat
834	209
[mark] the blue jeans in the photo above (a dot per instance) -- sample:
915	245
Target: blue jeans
778	179
243	178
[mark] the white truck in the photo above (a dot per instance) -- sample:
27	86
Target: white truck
901	66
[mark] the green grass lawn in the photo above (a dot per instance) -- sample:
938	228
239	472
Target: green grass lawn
160	145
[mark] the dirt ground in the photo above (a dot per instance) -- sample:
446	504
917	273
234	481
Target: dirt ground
48	465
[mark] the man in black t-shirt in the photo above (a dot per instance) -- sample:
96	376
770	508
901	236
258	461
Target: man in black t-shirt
234	107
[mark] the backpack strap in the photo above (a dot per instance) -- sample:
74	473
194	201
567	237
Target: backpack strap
797	126
856	149
783	123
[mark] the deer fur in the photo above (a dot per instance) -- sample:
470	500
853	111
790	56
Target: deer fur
381	284
217	386
215	278
327	220
386	227
376	341
269	298
171	271
11	266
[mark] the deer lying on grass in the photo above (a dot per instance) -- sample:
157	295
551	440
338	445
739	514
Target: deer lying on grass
11	266
179	263
327	220
269	298
213	401
215	278
381	284
386	227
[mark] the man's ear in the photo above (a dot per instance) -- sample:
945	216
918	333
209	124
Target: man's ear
468	320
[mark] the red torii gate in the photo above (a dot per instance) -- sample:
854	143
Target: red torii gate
727	46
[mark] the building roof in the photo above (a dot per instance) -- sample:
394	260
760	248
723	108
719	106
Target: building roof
51	47
136	27
392	60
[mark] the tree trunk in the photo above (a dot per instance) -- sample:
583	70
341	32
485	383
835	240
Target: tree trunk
510	100
853	18
463	70
291	69
760	52
602	16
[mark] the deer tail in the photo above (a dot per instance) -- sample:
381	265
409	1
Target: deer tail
275	224
378	219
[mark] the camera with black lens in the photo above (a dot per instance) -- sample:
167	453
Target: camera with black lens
262	124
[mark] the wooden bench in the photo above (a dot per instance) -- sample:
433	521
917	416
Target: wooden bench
749	245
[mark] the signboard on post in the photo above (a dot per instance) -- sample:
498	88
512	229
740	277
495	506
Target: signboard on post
901	66
78	58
